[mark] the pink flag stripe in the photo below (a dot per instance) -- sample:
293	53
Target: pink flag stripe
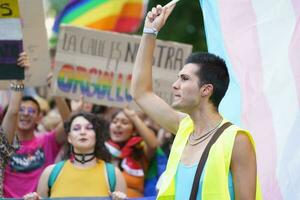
296	4
294	47
242	42
294	50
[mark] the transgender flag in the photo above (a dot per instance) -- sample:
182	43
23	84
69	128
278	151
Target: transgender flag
260	41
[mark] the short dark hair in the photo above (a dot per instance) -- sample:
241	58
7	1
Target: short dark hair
100	128
30	98
212	70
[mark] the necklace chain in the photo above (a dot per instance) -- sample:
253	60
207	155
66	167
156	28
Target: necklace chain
193	143
193	140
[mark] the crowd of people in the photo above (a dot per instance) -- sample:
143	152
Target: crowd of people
77	149
84	140
114	146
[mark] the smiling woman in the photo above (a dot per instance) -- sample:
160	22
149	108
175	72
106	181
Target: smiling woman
87	163
132	145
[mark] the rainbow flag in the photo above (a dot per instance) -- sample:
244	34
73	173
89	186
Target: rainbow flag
156	167
123	16
112	15
260	41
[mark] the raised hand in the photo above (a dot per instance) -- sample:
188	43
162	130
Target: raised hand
157	17
77	105
129	113
23	60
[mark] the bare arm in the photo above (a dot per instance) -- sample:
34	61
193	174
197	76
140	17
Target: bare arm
42	188
64	112
141	85
120	184
9	123
63	108
243	166
146	133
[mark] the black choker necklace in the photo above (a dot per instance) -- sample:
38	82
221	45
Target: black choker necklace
83	156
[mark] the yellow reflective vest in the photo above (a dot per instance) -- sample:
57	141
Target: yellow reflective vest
215	180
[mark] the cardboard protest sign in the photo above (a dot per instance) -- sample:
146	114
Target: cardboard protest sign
98	65
35	41
34	35
10	40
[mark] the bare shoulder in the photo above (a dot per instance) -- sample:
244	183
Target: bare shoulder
242	140
48	170
42	188
243	149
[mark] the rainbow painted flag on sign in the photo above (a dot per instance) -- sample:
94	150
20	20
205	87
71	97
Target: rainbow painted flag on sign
113	15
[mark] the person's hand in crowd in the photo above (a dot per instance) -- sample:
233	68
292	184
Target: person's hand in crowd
77	105
23	60
32	196
157	17
16	87
117	195
131	114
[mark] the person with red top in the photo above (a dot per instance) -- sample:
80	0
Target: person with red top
132	145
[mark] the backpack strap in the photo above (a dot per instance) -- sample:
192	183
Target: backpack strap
110	170
54	173
111	175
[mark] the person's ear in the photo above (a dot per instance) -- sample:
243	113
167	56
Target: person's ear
206	90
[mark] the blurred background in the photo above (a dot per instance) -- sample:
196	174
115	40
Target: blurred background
189	29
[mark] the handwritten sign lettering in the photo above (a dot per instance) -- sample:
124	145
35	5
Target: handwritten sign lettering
98	65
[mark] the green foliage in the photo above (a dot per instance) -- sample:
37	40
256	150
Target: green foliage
185	24
55	6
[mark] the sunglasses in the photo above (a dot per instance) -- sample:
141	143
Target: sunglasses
29	110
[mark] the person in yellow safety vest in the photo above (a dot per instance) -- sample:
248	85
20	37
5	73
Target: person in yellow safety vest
230	171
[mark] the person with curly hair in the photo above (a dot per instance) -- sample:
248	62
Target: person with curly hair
86	165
